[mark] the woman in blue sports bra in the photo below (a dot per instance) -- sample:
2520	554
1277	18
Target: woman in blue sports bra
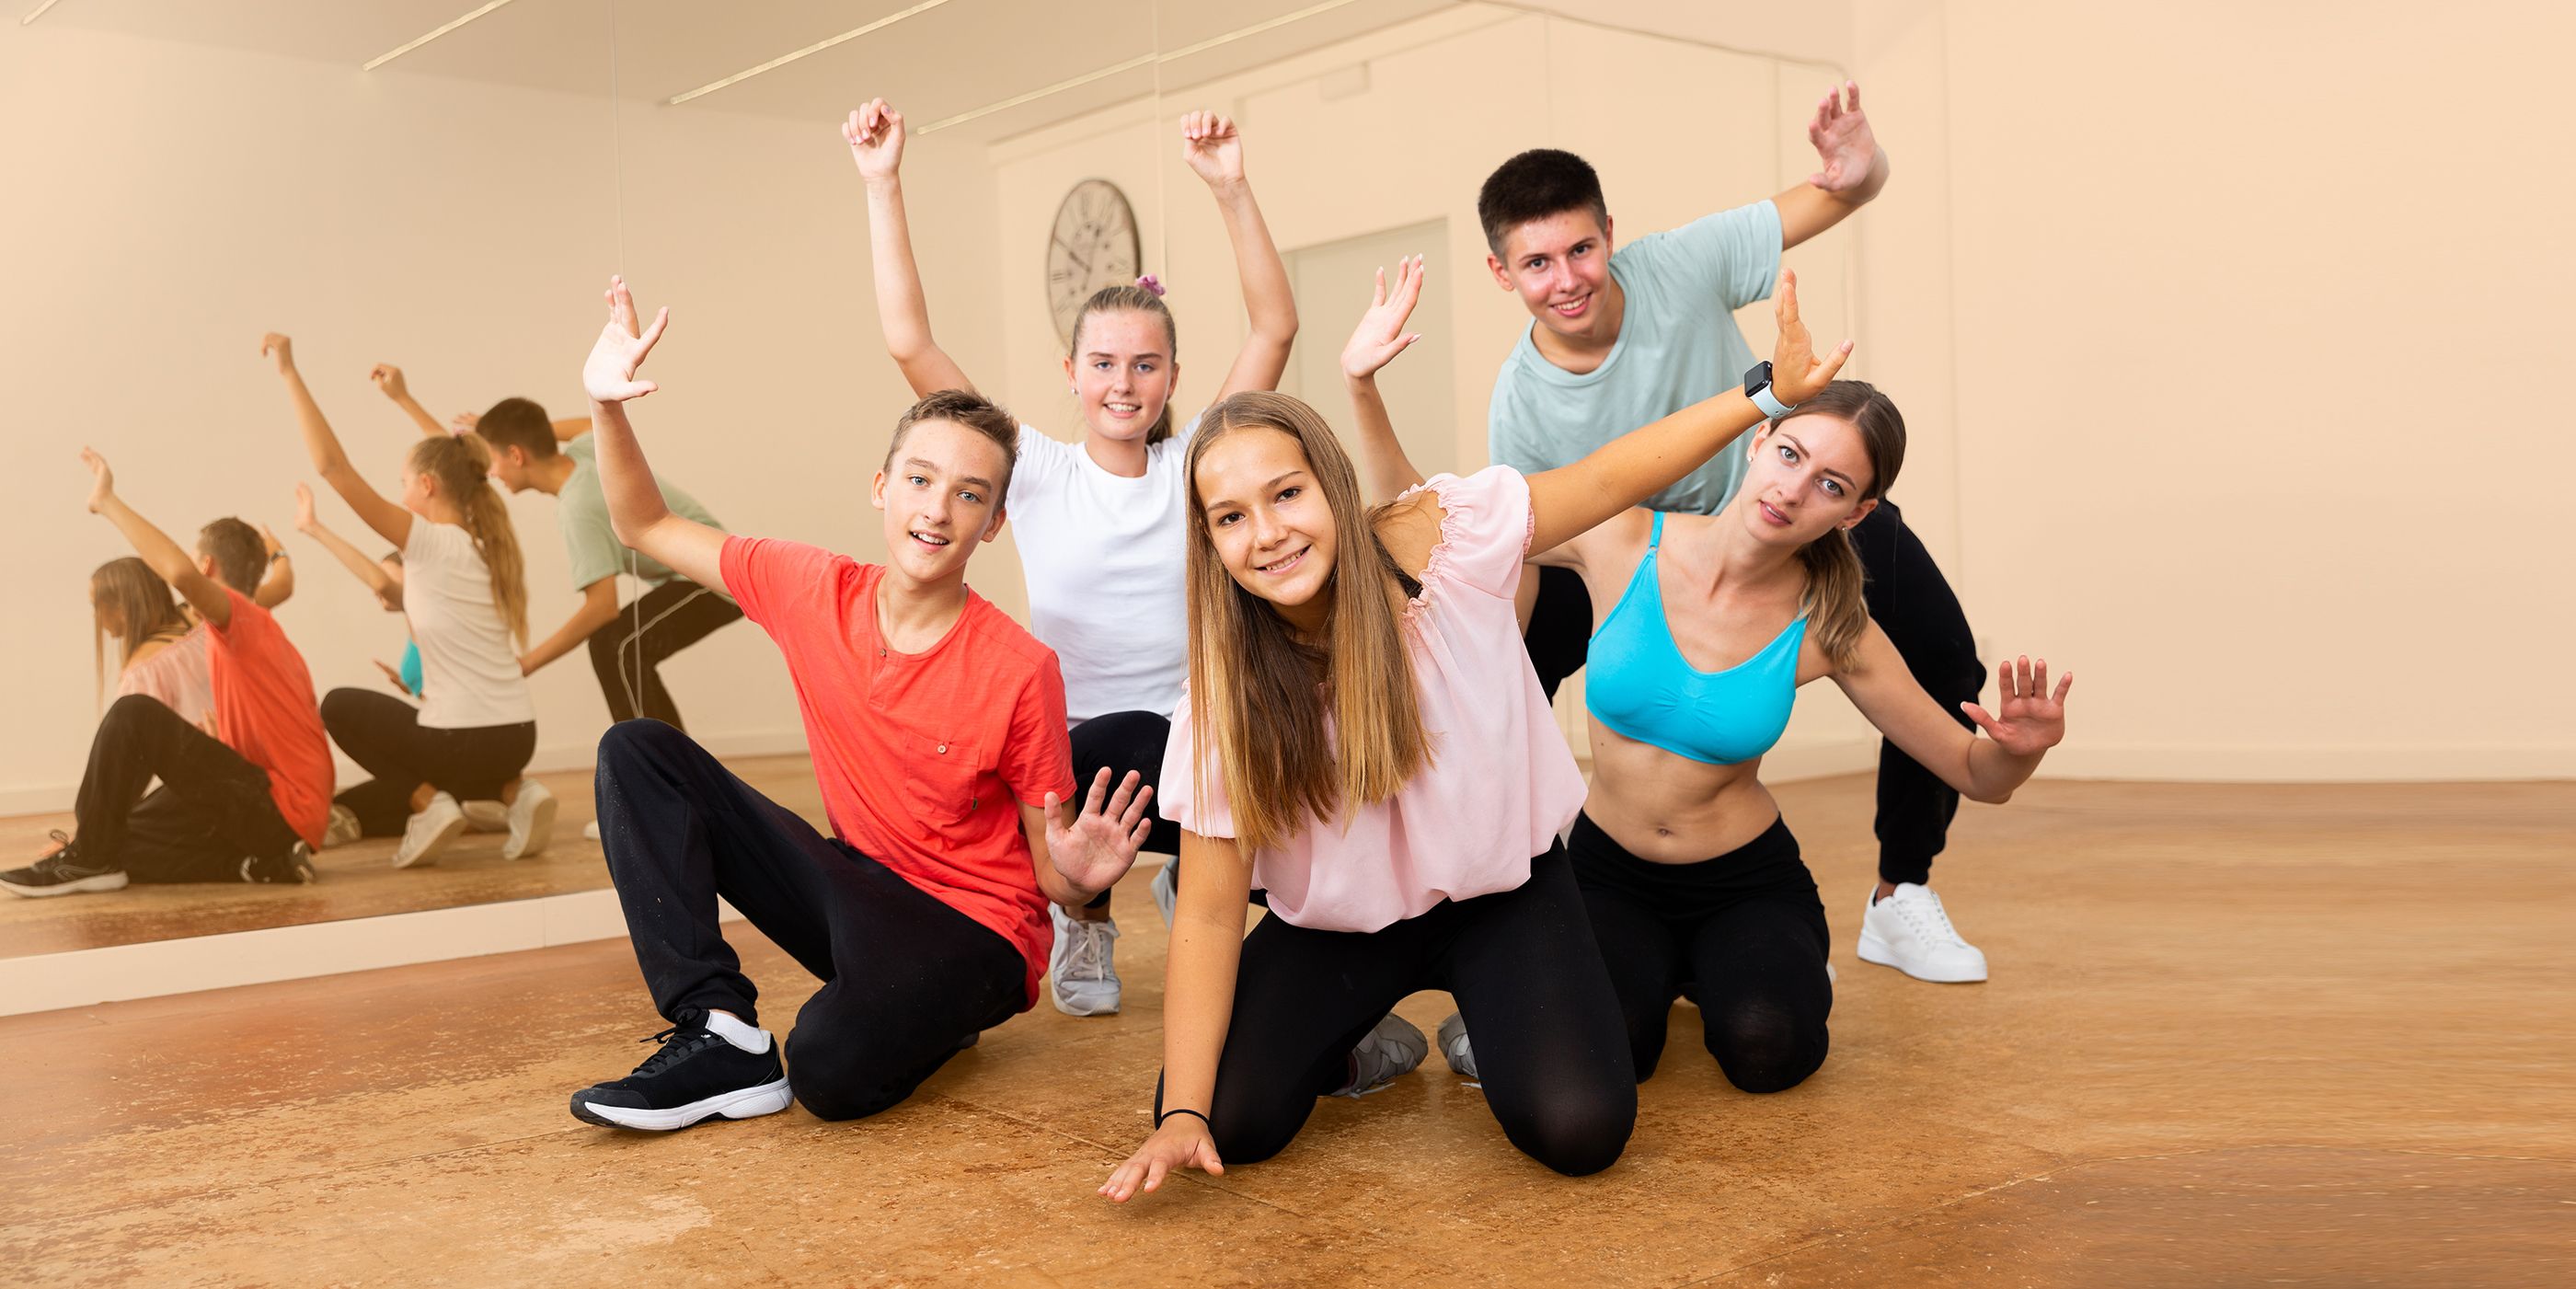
1714	622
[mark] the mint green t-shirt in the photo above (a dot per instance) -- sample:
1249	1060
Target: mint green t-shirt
1678	344
581	510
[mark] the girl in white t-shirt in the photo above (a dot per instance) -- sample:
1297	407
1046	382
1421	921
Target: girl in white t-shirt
1100	523
465	593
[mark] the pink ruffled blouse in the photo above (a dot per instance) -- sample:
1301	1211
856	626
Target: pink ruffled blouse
1501	784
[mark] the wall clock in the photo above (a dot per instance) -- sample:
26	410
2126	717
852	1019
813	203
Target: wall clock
1093	245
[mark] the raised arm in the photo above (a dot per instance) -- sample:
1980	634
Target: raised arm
598	609
1385	470
875	135
636	511
388	590
202	593
1853	169
1625	471
389	378
2028	721
391	521
1198	1008
570	428
1214	150
277	577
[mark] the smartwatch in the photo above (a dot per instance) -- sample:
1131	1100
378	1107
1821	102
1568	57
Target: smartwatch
1757	386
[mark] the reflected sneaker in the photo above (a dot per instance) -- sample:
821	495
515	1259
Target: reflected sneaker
343	827
590	831
1453	1046
62	873
1082	974
485	816
697	1074
1911	932
1392	1050
429	831
1167	889
532	821
295	868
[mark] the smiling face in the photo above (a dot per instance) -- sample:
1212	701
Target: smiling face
1560	268
1268	521
941	492
1122	371
1806	476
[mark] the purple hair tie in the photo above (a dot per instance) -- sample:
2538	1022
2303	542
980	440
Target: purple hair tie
1151	283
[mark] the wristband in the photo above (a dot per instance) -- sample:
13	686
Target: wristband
1770	403
1158	1119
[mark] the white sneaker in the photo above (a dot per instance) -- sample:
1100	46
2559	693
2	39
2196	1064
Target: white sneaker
485	816
1392	1050
1454	1048
532	821
1082	974
1911	932
1167	891
590	831
429	831
343	827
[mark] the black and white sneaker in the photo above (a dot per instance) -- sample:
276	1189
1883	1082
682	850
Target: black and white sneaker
697	1074
62	873
295	867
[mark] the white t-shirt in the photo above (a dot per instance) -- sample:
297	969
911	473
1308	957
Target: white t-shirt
1103	557
468	663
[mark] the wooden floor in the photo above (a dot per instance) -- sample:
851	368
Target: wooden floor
2235	1036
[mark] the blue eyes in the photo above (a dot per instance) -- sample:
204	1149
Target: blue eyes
1832	487
920	482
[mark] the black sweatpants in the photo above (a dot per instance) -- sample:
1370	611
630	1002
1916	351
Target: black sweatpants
628	653
1120	742
383	734
1744	930
907	980
1527	976
1911	602
210	813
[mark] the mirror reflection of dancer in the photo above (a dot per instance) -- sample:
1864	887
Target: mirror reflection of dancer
937	728
1618	339
465	594
1713	623
1405	825
160	644
1100	522
244	803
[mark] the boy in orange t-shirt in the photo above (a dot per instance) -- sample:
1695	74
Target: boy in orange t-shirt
937	730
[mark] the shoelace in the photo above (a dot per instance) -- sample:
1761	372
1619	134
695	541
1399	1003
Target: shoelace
1087	958
696	1038
1930	920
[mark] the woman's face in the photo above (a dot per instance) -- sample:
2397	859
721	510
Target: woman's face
1804	479
1123	373
1267	518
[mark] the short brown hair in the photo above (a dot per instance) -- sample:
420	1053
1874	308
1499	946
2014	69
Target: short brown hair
1536	185
975	412
239	554
518	423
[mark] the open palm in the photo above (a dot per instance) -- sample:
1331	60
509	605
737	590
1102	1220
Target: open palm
609	373
1796	373
1845	145
102	480
2028	719
1100	845
1381	334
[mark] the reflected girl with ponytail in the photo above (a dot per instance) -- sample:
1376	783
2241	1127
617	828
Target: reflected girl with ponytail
465	594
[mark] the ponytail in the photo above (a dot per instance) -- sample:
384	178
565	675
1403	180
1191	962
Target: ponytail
461	467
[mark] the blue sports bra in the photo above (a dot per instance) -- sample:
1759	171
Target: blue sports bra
1642	688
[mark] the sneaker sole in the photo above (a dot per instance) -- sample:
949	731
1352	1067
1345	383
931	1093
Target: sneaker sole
428	853
82	886
1075	1007
742	1103
1873	949
541	829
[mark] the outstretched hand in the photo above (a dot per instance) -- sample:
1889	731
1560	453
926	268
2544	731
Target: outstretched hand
609	373
1182	1142
464	422
1796	373
875	135
1845	145
280	348
2033	720
1381	334
1100	845
102	486
1212	147
389	378
303	509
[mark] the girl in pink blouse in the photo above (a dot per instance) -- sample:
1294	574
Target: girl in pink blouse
1383	762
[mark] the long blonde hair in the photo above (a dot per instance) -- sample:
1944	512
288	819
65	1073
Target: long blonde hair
143	603
462	468
1253	683
1835	604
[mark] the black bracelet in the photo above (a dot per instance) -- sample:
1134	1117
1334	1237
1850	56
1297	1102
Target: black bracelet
1158	1119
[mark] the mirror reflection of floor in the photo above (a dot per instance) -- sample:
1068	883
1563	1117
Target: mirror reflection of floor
355	880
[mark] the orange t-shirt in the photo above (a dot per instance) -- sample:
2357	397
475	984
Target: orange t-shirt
923	758
264	709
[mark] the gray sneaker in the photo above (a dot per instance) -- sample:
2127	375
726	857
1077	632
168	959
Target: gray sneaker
532	821
1453	1046
429	831
343	827
1082	971
1166	890
1392	1050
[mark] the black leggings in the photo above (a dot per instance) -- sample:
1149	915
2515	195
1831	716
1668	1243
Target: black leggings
210	813
1910	601
907	980
1123	741
1526	975
628	653
1743	932
383	734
